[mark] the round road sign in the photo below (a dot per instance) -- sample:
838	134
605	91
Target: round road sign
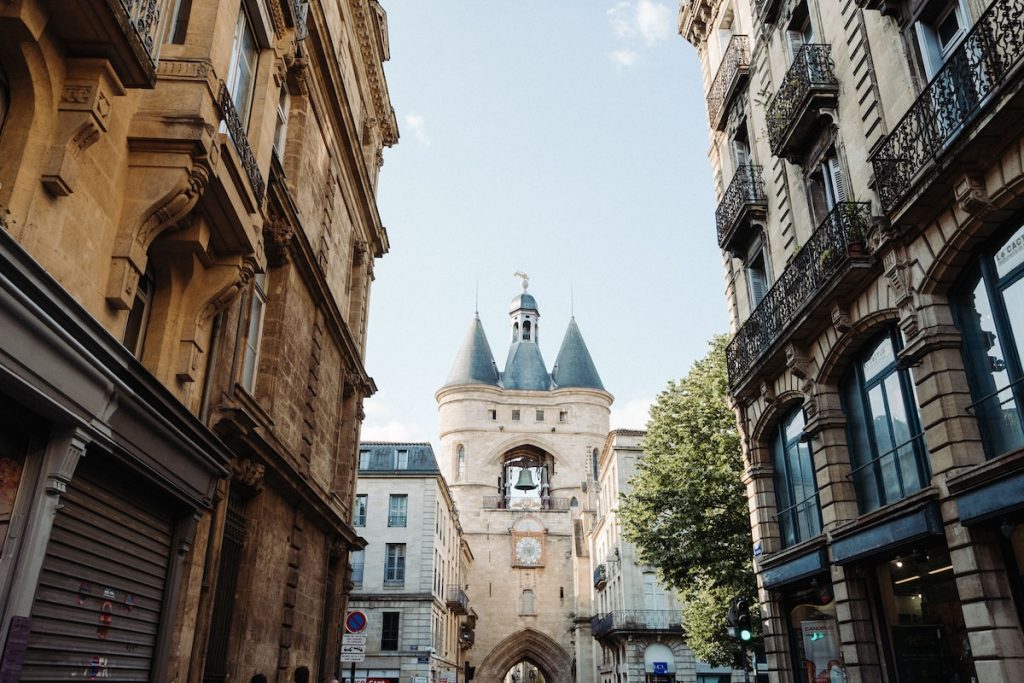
355	622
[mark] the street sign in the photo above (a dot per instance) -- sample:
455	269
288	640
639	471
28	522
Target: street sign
423	660
353	657
353	649
353	639
355	622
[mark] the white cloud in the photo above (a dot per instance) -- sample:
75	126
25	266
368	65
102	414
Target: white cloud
654	21
632	414
624	57
650	21
419	128
381	424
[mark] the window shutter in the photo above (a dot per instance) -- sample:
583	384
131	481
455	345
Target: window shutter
758	286
835	178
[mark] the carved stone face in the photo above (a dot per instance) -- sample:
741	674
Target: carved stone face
528	551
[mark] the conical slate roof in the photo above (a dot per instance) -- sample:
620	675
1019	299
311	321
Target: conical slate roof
574	367
475	362
525	368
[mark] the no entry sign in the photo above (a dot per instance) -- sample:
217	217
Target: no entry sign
355	622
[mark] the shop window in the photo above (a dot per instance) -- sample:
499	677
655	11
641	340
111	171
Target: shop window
810	612
389	630
242	67
394	564
359	517
398	506
138	316
254	335
924	617
796	492
989	311
883	428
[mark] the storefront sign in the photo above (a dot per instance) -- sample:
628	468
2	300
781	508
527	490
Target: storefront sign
660	667
821	644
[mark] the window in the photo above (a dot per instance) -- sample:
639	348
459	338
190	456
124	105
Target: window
796	491
359	517
940	29
398	505
253	336
563	416
989	311
594	467
242	69
756	270
493	414
394	563
740	149
539	415
281	127
403	459
364	460
175	20
825	186
526	330
515	415
461	463
357	560
389	631
800	31
138	316
526	605
883	428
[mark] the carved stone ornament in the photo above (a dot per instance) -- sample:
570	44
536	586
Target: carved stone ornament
767	393
374	71
897	270
971	194
800	366
879	234
277	233
840	319
247	473
359	252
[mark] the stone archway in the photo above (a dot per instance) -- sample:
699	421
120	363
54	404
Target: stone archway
530	645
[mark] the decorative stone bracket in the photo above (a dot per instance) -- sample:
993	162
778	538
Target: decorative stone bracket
83	115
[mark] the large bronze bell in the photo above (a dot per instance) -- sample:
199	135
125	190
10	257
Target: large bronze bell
525	482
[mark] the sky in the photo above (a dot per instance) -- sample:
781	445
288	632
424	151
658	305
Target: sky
563	138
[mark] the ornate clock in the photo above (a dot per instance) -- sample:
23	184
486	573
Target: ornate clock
527	551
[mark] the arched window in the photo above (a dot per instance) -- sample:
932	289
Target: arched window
594	455
526	330
526	602
883	427
989	310
515	332
796	499
461	463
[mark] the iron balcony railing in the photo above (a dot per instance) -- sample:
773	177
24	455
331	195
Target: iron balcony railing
840	236
812	70
457	600
892	475
238	136
800	521
956	95
733	68
745	190
144	18
635	620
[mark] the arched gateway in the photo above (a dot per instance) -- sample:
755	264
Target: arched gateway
530	645
516	450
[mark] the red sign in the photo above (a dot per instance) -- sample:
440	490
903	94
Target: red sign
355	622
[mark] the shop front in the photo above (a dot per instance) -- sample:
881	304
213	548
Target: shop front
659	664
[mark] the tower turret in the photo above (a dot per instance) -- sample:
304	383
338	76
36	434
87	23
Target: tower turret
524	368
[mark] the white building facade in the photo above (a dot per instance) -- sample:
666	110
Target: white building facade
409	580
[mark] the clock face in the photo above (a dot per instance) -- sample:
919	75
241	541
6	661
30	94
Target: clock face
528	550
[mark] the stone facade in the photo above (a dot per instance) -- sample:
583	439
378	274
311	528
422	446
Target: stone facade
431	617
637	624
869	162
187	197
531	574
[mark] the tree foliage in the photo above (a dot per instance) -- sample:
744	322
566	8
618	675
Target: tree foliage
687	512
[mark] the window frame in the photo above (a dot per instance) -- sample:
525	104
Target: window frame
254	333
926	31
359	510
784	481
145	292
390	631
855	379
394	564
243	26
398	510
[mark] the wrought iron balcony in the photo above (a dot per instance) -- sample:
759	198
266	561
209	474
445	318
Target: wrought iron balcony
743	199
793	112
457	600
126	32
832	262
732	73
968	84
600	576
237	131
636	621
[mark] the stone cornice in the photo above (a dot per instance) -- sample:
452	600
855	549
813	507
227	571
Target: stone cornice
367	29
695	19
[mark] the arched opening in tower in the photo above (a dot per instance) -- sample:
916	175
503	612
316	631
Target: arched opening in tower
524	672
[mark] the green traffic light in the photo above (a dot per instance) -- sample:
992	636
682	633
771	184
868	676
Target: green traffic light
745	635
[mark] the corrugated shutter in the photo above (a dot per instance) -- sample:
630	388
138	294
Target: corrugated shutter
97	609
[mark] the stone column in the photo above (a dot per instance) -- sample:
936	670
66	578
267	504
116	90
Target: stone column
856	626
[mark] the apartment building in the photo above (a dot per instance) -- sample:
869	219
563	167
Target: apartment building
867	159
189	226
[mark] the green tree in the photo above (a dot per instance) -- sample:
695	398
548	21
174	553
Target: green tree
687	511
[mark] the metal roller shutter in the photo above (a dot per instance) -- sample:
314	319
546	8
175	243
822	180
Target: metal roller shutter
97	609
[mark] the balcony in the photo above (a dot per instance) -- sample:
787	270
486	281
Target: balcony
831	264
600	576
743	199
125	32
809	86
732	73
636	621
974	81
238	136
457	600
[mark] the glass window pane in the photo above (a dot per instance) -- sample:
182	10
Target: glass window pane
879	360
1011	254
860	446
884	444
906	457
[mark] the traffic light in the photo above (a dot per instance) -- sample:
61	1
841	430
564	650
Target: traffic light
743	619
